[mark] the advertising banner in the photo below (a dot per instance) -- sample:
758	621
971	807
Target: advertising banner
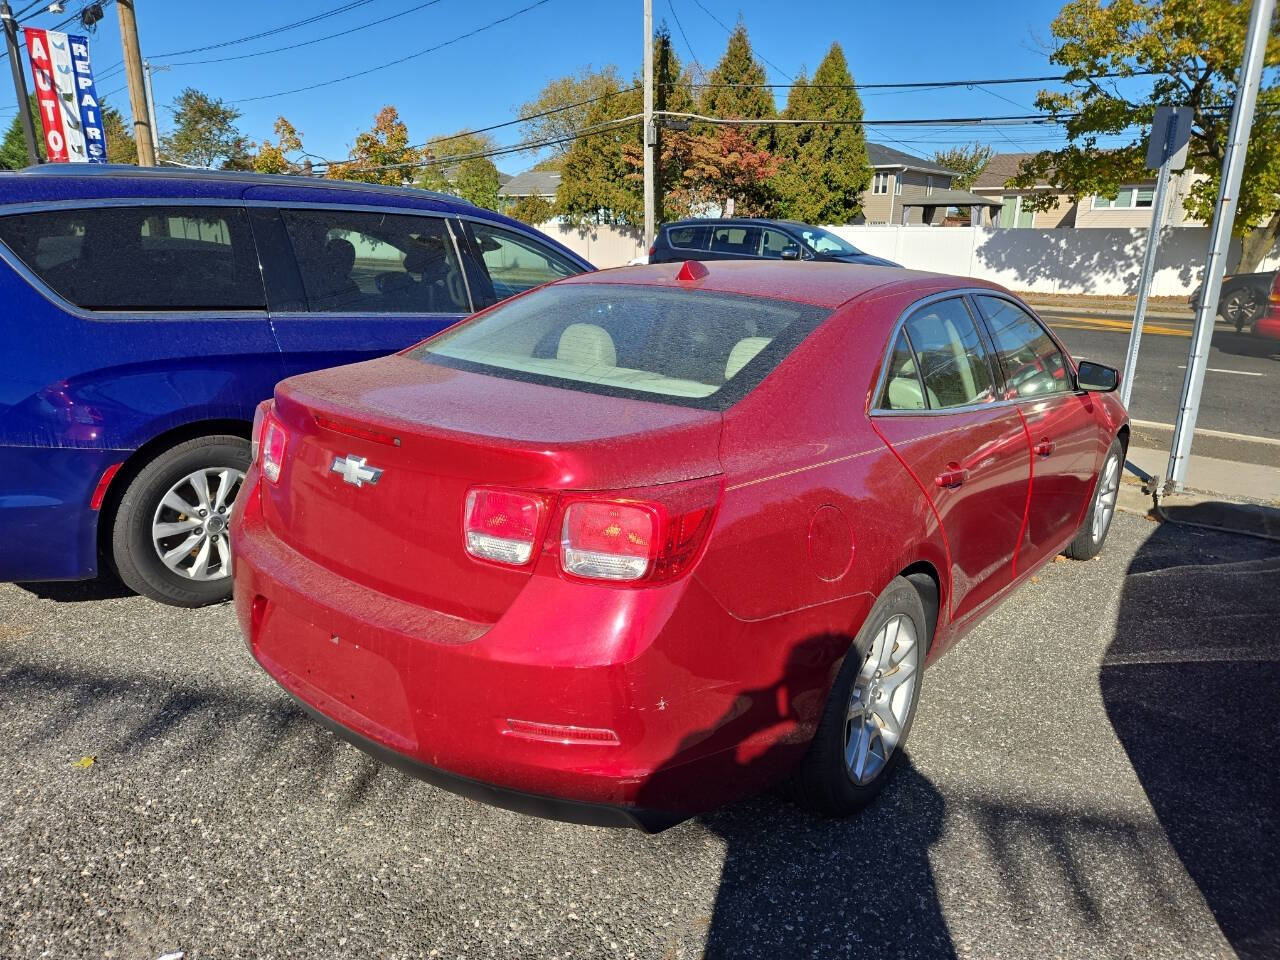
66	97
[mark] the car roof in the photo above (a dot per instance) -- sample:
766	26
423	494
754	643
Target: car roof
733	222
823	284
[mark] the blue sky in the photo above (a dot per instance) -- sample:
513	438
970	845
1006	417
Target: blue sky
482	79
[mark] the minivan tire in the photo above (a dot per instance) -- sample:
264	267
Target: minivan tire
823	782
133	550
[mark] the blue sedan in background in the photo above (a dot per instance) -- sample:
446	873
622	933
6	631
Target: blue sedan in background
147	312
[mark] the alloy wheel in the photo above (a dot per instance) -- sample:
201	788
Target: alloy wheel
189	529
881	700
1108	489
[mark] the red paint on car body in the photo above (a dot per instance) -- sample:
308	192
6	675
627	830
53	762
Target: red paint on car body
697	688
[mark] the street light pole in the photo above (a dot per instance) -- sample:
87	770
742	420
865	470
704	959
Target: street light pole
649	136
151	109
1224	216
19	82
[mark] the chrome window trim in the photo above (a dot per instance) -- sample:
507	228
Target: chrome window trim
969	292
117	316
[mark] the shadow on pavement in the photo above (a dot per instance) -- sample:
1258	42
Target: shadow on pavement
1191	684
104	587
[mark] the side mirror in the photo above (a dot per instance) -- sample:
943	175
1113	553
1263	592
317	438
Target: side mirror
791	253
1097	378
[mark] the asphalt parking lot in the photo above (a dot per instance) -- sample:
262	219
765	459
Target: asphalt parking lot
1092	774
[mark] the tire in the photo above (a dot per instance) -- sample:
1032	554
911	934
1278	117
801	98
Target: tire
1241	308
151	518
829	779
1097	522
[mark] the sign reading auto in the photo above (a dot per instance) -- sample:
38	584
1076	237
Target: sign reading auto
67	97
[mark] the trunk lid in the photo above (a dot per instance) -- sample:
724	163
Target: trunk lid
434	433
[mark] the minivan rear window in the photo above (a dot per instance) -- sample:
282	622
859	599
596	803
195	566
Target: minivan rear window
688	347
144	258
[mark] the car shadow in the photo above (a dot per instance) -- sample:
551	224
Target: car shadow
103	587
1245	344
1191	685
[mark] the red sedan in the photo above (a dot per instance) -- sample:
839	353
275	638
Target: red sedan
644	541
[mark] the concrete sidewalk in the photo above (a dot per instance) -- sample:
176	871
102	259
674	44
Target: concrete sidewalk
1231	479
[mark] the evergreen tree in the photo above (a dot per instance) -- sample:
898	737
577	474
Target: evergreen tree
824	169
13	151
735	89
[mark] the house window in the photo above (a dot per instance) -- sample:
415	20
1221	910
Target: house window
1012	213
881	184
1127	198
897	187
928	186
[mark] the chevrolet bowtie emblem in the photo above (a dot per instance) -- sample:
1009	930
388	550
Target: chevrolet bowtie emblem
355	470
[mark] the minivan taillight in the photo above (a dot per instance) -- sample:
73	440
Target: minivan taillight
268	443
501	525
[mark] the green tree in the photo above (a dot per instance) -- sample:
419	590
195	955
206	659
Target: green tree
121	147
273	157
13	151
380	155
735	89
572	99
968	161
204	131
531	210
824	168
1192	51
471	177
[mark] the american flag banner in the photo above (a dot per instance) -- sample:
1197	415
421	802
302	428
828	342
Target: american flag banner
68	100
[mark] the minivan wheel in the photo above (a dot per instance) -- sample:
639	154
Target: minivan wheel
1097	522
870	709
169	539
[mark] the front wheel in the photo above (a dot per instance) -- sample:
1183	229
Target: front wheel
1088	542
170	540
870	709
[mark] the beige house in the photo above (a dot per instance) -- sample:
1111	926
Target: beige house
1131	207
899	176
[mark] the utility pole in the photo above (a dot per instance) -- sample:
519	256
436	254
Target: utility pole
151	111
1224	217
1170	135
19	82
142	129
650	132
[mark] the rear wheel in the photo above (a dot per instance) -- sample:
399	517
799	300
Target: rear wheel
1241	307
169	539
1088	542
870	709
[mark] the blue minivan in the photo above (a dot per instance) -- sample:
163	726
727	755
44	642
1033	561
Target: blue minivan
145	313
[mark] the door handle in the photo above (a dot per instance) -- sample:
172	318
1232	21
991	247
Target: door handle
1045	447
952	477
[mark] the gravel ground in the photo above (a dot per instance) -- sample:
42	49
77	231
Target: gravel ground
1092	774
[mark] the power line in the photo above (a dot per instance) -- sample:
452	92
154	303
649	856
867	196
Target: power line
680	26
532	116
776	68
397	62
917	85
4	54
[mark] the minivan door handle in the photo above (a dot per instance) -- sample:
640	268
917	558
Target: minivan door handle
1045	447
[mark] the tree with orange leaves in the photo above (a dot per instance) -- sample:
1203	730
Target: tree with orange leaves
381	155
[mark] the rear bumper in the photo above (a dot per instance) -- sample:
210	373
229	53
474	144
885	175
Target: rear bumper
695	721
46	522
1268	325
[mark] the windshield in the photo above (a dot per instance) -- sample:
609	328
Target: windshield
826	243
690	347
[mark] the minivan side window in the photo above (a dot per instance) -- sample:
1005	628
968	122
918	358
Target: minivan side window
143	258
1032	363
775	243
689	238
358	261
516	263
953	362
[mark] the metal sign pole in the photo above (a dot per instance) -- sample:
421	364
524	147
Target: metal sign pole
1166	140
1255	48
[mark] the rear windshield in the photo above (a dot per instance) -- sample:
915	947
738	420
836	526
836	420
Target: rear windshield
687	347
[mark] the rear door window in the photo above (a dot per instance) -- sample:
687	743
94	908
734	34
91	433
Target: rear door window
697	348
1032	363
356	261
689	238
514	263
738	241
143	258
953	363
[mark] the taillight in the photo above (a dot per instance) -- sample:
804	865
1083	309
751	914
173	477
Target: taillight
1275	288
501	525
649	540
652	250
268	443
609	541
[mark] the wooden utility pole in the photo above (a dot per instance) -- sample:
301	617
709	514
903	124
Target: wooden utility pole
142	133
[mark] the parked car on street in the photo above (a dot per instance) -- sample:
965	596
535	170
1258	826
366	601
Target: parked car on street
1244	297
754	239
1267	325
147	313
643	541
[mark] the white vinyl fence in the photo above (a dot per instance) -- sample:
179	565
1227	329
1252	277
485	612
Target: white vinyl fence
1065	260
